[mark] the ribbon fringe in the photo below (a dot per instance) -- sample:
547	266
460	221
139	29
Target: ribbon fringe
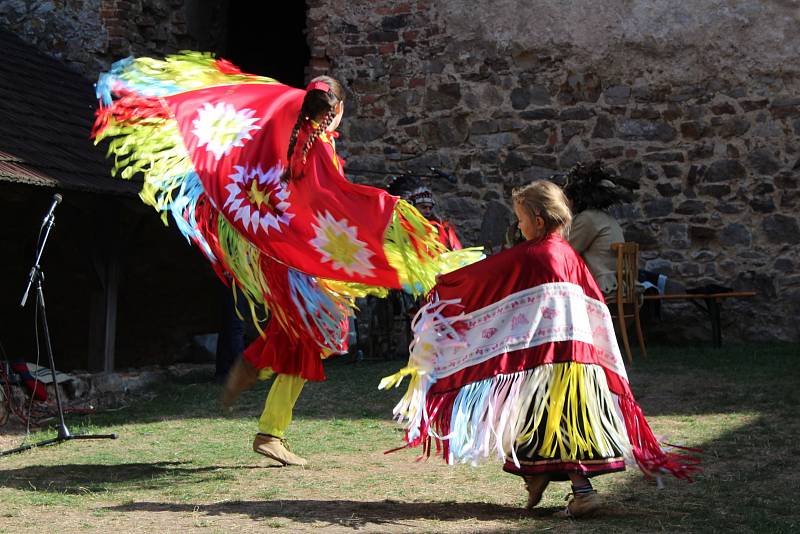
413	249
144	139
562	410
175	73
647	451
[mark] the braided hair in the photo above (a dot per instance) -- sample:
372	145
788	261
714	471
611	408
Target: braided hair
319	105
592	187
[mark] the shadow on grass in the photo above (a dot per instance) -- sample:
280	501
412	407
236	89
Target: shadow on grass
690	381
354	514
752	452
83	478
734	492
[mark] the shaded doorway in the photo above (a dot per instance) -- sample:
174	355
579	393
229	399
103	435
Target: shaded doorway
269	39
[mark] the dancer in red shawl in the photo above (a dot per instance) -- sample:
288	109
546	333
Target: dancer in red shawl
295	359
247	169
516	356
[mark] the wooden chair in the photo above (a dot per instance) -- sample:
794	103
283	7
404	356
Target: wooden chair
626	295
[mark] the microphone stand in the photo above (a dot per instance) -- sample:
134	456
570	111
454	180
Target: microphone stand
35	278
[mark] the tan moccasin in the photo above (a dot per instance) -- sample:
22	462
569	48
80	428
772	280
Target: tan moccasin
275	448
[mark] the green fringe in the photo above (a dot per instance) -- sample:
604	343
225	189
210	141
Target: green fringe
188	70
243	260
416	266
353	289
456	259
153	148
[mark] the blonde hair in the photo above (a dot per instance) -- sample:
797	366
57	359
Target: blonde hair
546	200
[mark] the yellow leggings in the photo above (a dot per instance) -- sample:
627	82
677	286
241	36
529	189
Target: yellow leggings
277	414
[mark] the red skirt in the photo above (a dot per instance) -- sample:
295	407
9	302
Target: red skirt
288	355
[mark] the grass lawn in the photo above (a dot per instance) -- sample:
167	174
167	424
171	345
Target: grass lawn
179	465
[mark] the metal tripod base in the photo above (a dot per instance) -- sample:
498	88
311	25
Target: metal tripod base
35	279
63	435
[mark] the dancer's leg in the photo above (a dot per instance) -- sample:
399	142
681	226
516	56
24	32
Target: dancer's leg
276	418
585	500
277	414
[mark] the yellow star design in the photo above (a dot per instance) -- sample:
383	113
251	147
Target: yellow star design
340	247
257	196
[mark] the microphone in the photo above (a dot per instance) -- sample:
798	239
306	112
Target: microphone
56	201
442	174
44	231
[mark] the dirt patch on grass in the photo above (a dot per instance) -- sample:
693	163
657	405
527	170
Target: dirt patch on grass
12	434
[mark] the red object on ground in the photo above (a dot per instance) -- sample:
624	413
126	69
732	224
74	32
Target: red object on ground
34	387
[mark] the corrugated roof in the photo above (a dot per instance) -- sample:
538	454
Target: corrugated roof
46	114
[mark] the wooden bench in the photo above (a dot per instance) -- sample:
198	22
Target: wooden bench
712	307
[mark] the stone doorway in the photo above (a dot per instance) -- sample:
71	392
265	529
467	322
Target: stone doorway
269	39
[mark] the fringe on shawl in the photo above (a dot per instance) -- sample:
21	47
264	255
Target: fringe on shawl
143	138
413	249
568	407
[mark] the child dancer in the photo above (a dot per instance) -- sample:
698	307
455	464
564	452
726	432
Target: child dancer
516	356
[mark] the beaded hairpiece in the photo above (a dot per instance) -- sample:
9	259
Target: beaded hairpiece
421	195
319	85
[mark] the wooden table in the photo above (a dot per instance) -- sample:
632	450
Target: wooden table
713	306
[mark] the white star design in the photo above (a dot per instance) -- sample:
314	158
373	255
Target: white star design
338	243
257	198
220	127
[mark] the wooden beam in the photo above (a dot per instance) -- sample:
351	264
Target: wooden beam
109	233
103	309
695	296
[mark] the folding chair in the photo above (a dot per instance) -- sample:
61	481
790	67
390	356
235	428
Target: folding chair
626	295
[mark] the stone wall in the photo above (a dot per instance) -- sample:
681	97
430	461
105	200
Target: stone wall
89	35
696	104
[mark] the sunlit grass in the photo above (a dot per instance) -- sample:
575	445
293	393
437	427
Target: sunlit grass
180	464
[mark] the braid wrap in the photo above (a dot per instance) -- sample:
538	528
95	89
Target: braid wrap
326	121
292	142
323	95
